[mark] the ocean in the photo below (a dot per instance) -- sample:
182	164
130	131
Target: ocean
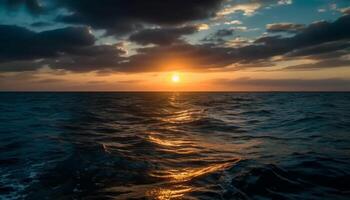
174	145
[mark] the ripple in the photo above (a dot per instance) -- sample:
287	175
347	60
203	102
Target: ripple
189	173
175	146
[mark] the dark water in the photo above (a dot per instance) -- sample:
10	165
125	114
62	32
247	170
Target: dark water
174	146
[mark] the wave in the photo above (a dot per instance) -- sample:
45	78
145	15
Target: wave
175	146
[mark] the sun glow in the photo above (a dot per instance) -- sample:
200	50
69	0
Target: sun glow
175	78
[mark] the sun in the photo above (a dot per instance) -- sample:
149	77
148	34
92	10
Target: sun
175	78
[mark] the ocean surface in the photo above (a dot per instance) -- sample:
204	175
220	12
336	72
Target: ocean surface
174	146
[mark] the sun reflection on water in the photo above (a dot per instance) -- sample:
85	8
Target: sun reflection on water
175	192
180	172
178	155
189	173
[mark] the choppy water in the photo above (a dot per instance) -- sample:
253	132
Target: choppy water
174	146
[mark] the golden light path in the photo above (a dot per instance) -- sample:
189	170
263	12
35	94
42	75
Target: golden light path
177	179
176	176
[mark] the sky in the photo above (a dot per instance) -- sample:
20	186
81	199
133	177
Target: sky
208	45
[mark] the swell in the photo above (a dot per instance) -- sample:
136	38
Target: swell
175	145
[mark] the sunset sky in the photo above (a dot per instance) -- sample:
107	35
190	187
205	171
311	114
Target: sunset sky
166	45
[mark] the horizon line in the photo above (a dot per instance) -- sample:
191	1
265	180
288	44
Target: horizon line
172	91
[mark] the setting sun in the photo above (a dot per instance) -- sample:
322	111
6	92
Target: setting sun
171	99
175	78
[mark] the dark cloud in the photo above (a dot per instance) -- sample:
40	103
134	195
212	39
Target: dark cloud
285	27
74	49
331	84
315	34
324	64
40	24
18	43
84	59
224	32
175	57
162	36
219	36
69	48
20	66
317	38
124	16
324	48
33	6
92	58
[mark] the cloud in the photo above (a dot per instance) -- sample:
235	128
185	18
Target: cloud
238	42
33	6
162	36
91	58
250	7
202	27
18	43
317	38
51	80
176	57
242	28
233	22
341	47
329	63
219	36
125	16
285	2
314	34
284	27
41	24
345	11
321	10
247	9
74	49
224	32
70	48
